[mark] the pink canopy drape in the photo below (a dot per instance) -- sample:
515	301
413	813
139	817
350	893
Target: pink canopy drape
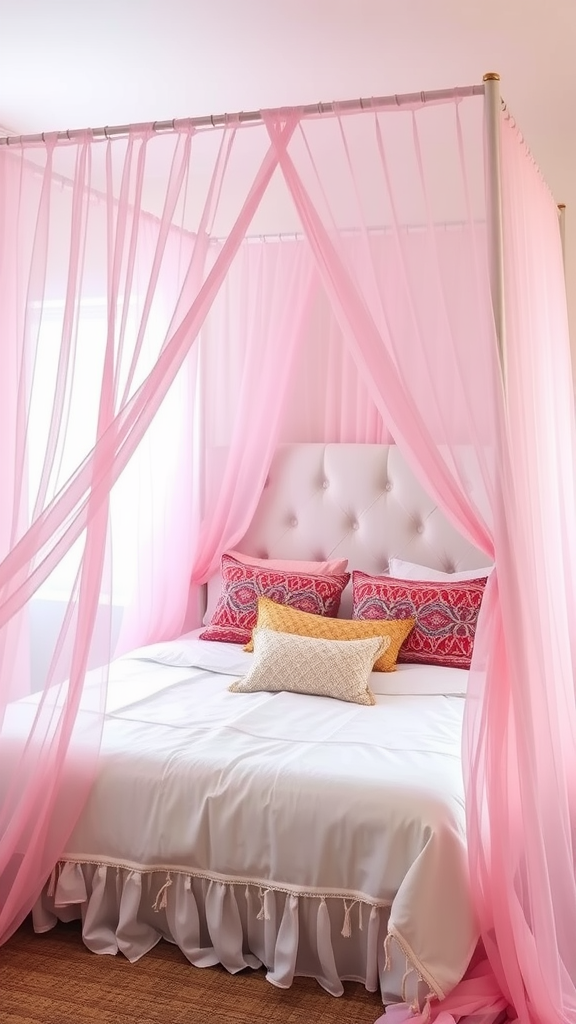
115	243
104	285
501	463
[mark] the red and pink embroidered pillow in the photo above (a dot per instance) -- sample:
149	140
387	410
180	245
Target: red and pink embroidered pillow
236	613
446	615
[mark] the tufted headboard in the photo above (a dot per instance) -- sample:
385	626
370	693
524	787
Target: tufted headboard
355	501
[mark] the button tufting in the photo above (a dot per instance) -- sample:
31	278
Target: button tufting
355	524
293	521
419	528
387	486
325	484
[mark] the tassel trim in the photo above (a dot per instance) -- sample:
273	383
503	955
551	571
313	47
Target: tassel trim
161	901
263	914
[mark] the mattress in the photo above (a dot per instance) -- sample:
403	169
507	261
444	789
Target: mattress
306	797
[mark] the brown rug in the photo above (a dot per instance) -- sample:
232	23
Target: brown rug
54	979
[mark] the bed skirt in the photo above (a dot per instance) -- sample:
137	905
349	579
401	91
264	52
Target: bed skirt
232	923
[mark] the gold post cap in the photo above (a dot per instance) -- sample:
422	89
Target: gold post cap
561	206
491	76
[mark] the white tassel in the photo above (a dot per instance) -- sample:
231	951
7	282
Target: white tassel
262	914
161	901
188	883
247	893
360	925
347	926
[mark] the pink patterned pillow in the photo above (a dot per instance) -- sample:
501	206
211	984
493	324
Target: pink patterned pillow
445	613
237	610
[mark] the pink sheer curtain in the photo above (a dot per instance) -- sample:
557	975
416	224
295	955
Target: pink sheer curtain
390	283
106	275
329	399
414	305
520	743
95	332
247	354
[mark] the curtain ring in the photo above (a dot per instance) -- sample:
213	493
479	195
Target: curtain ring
44	138
68	135
212	120
154	123
106	136
361	102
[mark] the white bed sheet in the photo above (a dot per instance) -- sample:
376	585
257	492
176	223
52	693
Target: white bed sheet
305	796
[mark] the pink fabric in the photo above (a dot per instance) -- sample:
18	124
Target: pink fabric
520	738
387	327
255	332
72	242
328	399
392	206
445	615
516	498
236	613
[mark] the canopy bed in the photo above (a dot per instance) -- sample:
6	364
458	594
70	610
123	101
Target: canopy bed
275	830
178	300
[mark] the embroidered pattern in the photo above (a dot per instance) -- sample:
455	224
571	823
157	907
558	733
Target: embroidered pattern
236	612
303	664
446	615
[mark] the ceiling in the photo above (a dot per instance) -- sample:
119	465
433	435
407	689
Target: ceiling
78	63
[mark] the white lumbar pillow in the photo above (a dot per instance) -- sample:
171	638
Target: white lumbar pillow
402	570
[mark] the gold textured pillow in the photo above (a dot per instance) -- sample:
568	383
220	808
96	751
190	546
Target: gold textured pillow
283	619
304	664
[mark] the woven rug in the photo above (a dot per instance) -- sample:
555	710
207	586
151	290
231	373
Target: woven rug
54	979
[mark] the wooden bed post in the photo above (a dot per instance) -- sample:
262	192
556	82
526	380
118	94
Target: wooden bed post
492	114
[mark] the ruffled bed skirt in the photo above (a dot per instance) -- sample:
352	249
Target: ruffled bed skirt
235	924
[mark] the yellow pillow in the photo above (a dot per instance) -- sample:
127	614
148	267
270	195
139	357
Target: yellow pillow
283	619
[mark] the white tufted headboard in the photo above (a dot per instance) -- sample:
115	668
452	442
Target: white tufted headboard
355	501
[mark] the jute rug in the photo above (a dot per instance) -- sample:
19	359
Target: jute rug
54	979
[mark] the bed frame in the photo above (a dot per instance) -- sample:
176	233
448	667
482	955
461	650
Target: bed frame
321	500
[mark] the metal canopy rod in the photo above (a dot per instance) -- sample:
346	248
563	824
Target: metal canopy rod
494	211
247	117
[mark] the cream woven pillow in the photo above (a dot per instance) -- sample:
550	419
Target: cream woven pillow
303	664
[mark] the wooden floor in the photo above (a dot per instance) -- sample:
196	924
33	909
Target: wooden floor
54	979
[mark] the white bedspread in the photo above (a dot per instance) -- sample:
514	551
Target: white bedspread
305	795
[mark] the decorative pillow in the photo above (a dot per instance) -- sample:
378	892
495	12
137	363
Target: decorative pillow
321	668
332	567
236	612
402	570
445	613
289	620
